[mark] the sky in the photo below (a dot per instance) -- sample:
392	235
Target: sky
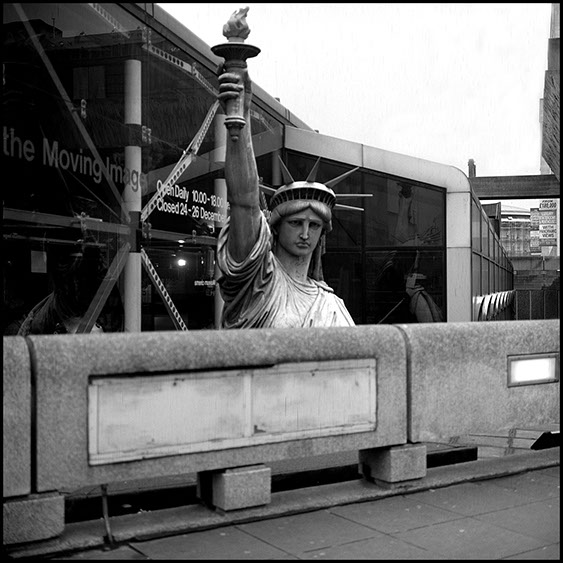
442	82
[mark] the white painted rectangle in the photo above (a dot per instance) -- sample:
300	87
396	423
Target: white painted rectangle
300	397
533	369
150	416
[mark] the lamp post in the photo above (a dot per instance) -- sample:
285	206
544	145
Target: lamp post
235	52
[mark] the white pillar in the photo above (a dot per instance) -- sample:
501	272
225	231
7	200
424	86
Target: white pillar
132	198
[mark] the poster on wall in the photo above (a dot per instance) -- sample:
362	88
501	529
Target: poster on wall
535	249
547	227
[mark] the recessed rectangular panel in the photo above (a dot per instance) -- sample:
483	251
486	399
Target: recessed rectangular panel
314	396
160	415
151	416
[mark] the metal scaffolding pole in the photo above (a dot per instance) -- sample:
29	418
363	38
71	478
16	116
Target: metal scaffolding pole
132	199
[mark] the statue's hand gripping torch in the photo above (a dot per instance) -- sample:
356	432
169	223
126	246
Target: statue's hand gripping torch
235	53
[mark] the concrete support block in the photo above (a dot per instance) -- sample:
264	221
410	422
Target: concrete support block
36	517
16	416
235	488
394	464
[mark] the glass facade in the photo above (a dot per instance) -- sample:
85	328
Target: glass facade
398	240
113	146
492	271
100	113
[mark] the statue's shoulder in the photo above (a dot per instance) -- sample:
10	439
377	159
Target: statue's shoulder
323	285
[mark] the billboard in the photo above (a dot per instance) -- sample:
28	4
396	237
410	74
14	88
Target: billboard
547	223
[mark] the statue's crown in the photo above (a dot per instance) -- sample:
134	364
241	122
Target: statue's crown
303	190
308	189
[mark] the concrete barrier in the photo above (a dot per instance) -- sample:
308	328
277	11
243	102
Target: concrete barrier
458	377
26	516
115	407
87	410
107	379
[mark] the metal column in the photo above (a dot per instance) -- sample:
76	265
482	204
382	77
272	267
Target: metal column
132	198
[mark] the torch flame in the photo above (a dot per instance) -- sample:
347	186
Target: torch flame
236	29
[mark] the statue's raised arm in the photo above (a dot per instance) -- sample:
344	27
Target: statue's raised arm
270	269
241	174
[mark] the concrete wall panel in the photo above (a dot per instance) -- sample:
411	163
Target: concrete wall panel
458	377
66	365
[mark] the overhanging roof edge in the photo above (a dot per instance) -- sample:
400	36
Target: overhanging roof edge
376	159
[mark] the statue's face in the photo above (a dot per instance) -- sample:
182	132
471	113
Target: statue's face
299	234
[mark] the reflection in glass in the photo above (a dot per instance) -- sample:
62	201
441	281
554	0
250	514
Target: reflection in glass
402	213
405	287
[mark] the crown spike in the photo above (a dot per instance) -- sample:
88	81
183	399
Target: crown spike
338	179
313	174
287	178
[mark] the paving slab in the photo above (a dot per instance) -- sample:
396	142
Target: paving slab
301	533
470	499
532	486
381	547
469	538
223	543
395	514
547	553
540	520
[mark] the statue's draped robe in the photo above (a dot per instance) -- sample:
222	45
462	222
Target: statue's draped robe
258	293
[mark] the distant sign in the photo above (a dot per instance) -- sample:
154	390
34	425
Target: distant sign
548	217
548	235
535	247
534	218
548	204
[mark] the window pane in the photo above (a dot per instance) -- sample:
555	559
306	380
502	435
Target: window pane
485	277
476	272
401	213
485	235
342	272
394	291
475	227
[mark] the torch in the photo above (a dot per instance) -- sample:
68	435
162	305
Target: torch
235	52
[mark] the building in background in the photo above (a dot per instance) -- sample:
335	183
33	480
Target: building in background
530	231
113	159
527	227
526	209
548	227
515	232
530	238
550	108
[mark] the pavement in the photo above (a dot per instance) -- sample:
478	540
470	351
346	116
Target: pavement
492	508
